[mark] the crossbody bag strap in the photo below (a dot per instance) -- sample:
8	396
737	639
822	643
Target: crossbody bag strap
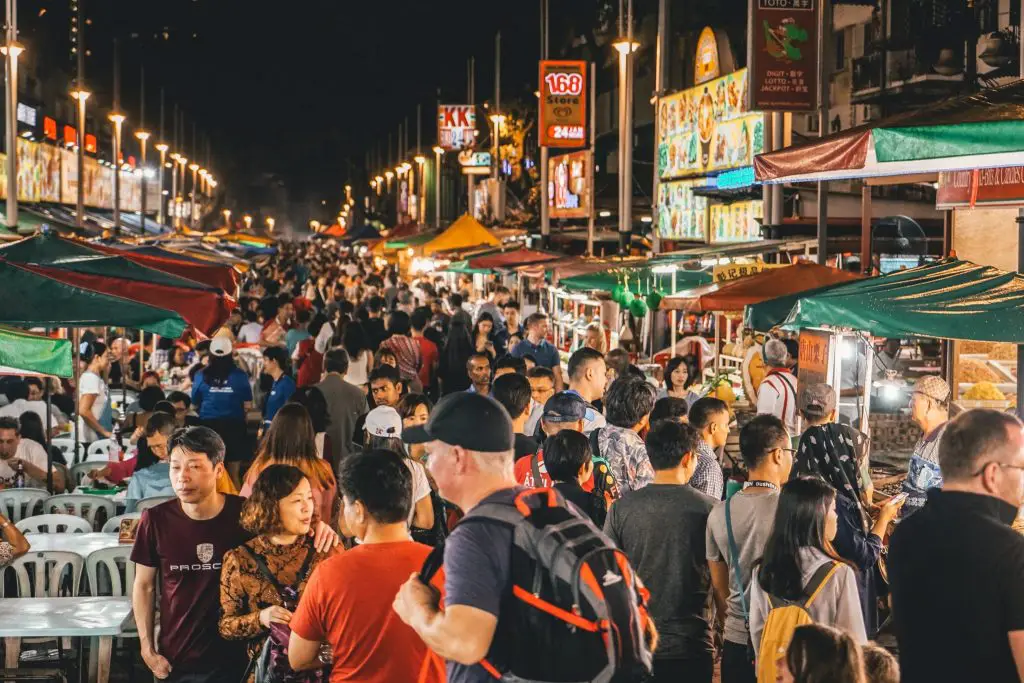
734	554
535	469
261	564
818	580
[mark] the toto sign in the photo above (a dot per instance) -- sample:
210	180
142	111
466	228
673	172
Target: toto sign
563	103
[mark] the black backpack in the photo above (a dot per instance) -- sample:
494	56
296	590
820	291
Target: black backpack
575	611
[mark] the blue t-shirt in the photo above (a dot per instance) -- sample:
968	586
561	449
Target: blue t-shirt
279	394
154	480
222	401
292	339
545	353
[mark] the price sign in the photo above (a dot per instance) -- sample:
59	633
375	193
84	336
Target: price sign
563	103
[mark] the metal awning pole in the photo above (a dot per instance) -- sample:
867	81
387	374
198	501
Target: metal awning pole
49	453
78	381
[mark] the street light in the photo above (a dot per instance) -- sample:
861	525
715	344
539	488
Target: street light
143	137
626	46
80	95
118	120
247	219
204	177
162	148
421	207
438	151
227	217
11	51
194	167
270	223
498	120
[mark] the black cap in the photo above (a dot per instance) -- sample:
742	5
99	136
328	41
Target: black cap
473	421
565	406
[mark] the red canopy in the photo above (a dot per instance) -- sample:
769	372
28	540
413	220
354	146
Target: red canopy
205	310
510	259
403	230
223	277
768	284
334	231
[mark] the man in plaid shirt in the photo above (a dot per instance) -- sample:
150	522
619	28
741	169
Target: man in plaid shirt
710	417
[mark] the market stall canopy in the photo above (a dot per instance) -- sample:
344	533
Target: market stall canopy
334	231
465	233
983	130
511	259
212	274
463	267
768	284
24	353
636	280
403	230
34	300
408	241
363	232
951	299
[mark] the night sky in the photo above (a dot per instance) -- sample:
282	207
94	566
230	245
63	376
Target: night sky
301	88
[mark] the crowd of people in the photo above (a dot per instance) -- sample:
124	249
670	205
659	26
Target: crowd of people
355	463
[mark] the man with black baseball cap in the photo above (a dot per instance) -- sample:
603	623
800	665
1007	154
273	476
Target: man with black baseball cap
469	446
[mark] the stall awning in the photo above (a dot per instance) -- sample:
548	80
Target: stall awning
737	250
408	241
768	284
951	299
983	130
511	259
636	280
363	232
24	353
463	267
465	233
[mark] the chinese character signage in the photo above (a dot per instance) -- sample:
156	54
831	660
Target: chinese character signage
456	126
569	178
814	357
682	215
563	104
708	128
986	186
736	222
783	55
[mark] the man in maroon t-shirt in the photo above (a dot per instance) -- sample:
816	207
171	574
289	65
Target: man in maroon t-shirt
429	355
183	541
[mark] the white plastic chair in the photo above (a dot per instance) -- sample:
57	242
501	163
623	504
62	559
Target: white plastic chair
67	447
113	525
152	501
79	471
41	575
54	524
98	450
113	565
18	504
80	505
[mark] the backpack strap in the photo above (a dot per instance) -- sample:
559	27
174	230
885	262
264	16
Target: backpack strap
535	470
734	555
595	451
818	580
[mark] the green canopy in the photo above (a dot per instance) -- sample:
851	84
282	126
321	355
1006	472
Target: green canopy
410	241
463	267
33	300
25	353
766	315
637	280
951	299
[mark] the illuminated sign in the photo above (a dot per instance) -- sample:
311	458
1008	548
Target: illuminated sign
49	128
70	137
706	66
569	179
563	103
475	163
456	126
708	128
736	222
682	215
782	55
90	143
27	114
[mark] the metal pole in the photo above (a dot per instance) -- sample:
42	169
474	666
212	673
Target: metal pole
117	141
78	391
778	142
495	162
144	139
1020	268
824	29
11	53
470	198
627	168
660	58
593	155
437	187
545	217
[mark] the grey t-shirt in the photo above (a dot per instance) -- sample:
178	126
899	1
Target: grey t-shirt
753	513
661	529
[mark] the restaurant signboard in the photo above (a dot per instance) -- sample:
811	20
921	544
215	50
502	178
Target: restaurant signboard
984	187
563	103
569	176
456	126
782	55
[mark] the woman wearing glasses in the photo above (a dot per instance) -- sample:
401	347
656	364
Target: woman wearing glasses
835	453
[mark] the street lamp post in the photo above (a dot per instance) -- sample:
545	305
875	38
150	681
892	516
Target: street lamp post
247	219
11	50
438	151
421	200
162	148
626	47
80	96
194	167
174	190
227	218
118	121
497	120
143	137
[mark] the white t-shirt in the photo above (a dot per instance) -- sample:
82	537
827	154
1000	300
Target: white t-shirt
91	383
29	451
777	396
249	333
420	485
359	369
38	407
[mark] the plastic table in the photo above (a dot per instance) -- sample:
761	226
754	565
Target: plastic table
80	544
101	619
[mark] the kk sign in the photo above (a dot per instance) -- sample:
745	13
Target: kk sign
563	104
456	126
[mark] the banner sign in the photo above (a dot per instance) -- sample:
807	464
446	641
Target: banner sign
736	222
783	55
456	126
563	103
986	186
475	163
569	179
814	357
708	128
682	215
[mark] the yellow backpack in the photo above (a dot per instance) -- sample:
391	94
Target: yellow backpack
783	618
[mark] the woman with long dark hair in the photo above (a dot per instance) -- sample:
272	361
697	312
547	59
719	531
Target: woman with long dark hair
405	348
290	440
799	560
222	396
452	369
357	344
482	334
312	399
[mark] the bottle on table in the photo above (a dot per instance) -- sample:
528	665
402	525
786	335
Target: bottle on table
19	476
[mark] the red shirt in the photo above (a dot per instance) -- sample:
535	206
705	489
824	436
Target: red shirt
188	555
311	363
348	603
523	473
428	360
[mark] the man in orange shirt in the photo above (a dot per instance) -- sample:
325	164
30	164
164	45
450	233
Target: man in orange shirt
348	601
429	355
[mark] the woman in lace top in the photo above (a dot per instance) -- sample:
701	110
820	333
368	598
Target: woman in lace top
12	543
280	512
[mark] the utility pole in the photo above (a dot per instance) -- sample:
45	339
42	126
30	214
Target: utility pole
143	135
118	120
545	217
11	51
660	63
471	96
81	95
593	154
824	30
626	134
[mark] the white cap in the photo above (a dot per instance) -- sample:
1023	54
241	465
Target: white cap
384	421
220	346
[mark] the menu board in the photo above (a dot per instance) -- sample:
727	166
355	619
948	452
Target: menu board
569	185
708	128
736	222
681	214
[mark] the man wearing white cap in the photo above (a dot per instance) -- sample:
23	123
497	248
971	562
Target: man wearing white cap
384	430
